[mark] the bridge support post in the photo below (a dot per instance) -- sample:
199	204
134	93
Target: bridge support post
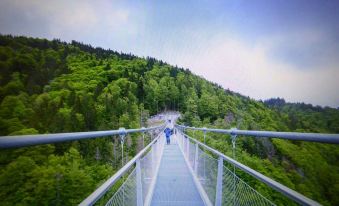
153	148
204	151
234	138
122	134
187	148
139	184
205	135
143	138
218	195
183	141
196	158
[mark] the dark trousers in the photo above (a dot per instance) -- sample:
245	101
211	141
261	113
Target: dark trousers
168	141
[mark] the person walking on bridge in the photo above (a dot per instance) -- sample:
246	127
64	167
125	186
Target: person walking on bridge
168	133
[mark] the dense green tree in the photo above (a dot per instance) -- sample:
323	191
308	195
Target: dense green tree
52	86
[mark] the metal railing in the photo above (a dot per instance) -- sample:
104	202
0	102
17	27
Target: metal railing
219	185
310	137
217	192
30	140
140	180
138	187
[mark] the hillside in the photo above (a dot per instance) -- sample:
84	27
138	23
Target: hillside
53	86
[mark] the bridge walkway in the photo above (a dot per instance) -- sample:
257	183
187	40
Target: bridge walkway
175	185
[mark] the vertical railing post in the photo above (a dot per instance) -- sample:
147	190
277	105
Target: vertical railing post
218	195
205	135
122	134
153	148
204	151
234	138
188	148
196	158
185	144
139	184
182	139
143	137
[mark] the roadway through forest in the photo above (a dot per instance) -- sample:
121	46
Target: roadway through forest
175	185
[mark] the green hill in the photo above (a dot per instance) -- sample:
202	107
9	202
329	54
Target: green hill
53	86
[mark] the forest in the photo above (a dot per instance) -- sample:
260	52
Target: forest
50	86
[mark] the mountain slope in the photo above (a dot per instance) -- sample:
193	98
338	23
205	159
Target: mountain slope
52	86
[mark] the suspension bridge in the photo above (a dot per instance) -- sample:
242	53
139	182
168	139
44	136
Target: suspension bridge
185	172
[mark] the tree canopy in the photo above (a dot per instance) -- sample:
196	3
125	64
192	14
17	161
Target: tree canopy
54	86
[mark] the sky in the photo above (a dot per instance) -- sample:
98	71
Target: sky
259	48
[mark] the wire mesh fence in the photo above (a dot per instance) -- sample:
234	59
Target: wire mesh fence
238	192
207	171
205	166
127	193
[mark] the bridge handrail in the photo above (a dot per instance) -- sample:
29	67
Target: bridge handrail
301	199
311	137
30	140
100	191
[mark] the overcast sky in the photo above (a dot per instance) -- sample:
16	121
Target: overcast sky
261	49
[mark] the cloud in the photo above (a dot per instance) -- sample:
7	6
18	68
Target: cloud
304	49
251	70
69	20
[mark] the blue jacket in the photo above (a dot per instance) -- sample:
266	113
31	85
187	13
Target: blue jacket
168	132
